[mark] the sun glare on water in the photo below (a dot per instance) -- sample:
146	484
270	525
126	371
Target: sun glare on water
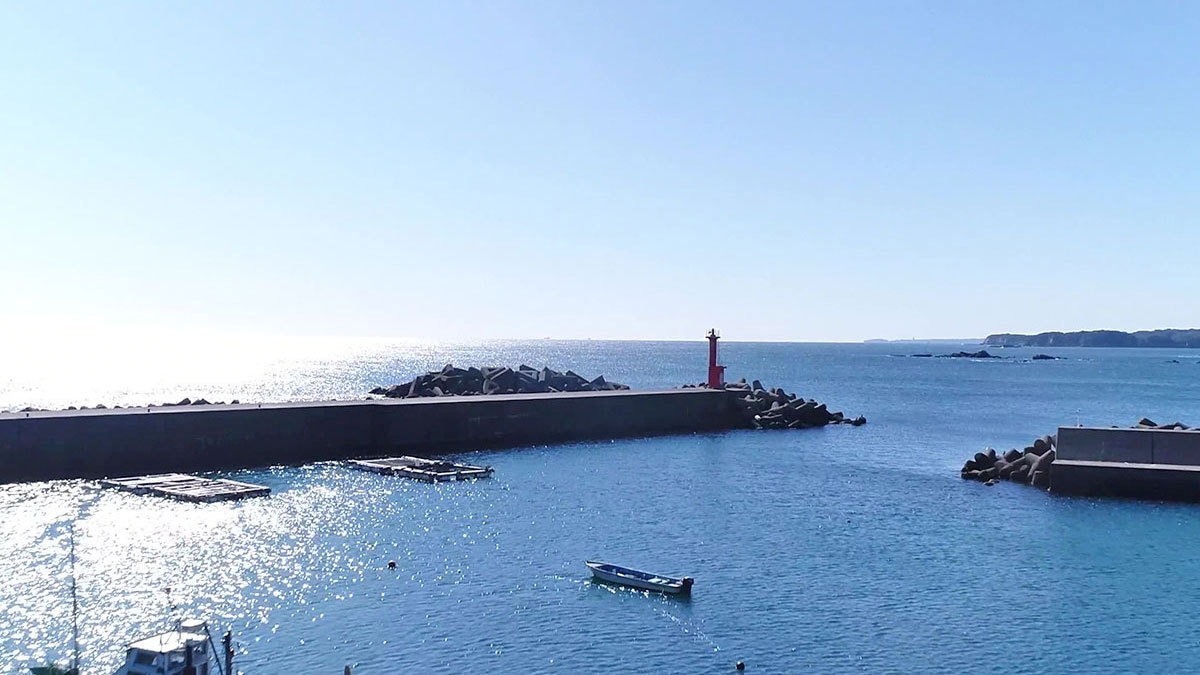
61	367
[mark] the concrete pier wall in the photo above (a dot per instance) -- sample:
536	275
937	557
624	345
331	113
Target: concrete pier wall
111	443
1138	463
1104	445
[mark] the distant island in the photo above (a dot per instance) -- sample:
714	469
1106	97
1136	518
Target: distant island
1169	337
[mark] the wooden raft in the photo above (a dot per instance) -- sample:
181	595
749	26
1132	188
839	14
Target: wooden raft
188	488
417	468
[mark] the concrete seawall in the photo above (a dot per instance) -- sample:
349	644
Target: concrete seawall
129	441
1137	463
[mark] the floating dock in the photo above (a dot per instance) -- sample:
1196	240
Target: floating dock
428	470
188	488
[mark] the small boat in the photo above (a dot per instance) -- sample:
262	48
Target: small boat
615	574
187	649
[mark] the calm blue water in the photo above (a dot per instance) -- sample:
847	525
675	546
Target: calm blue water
842	550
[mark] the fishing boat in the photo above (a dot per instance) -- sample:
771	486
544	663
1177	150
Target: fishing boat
189	646
615	574
186	650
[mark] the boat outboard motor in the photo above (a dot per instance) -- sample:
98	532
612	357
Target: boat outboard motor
687	583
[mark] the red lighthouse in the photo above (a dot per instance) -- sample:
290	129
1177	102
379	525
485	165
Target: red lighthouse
716	374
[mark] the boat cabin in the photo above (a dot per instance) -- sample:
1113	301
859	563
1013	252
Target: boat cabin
168	653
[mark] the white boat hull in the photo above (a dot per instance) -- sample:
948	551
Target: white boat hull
614	574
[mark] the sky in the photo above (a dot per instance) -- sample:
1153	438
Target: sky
832	171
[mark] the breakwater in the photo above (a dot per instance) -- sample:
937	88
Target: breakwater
778	409
118	442
1031	466
473	381
1144	462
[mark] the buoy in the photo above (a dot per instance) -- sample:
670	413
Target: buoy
739	665
391	564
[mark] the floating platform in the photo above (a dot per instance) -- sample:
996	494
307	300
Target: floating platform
188	488
428	470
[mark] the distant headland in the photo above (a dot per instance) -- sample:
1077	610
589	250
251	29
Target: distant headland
1169	337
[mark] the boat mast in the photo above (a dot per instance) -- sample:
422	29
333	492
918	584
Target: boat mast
74	609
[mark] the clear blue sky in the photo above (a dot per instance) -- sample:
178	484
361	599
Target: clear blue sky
793	171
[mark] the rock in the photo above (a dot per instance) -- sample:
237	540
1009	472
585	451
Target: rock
1041	464
186	401
858	421
1044	357
990	482
1003	469
1020	467
452	381
1146	422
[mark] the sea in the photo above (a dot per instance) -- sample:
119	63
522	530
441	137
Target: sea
835	550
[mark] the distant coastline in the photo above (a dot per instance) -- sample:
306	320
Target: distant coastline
948	341
1170	337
